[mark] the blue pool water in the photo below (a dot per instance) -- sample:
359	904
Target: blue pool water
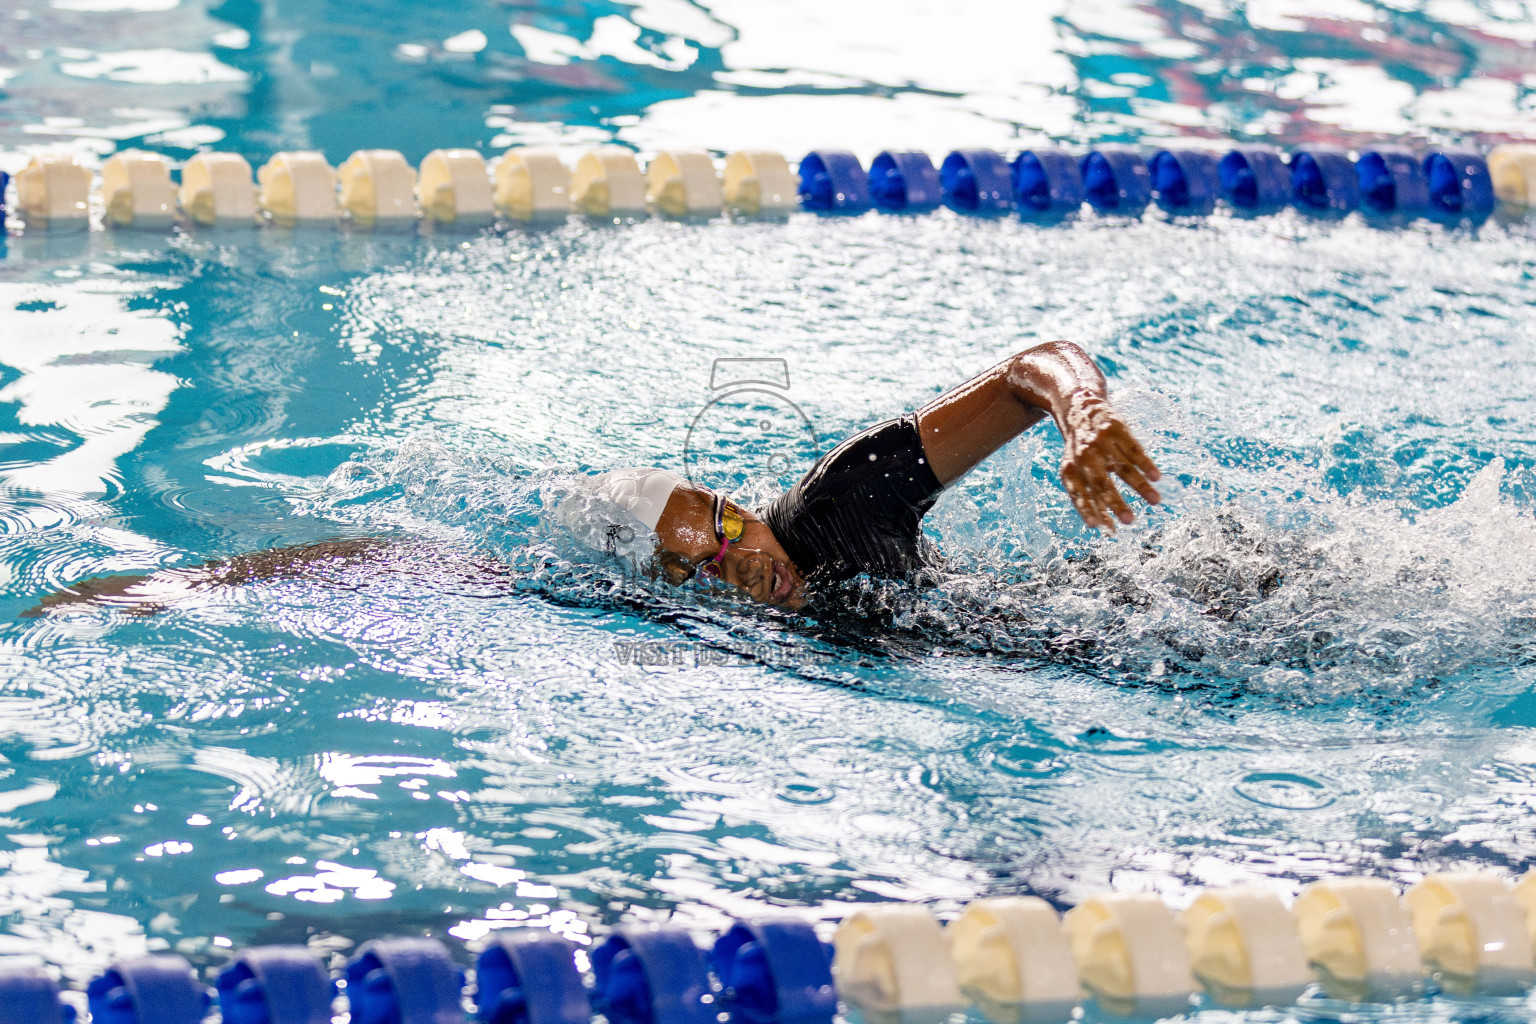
1318	658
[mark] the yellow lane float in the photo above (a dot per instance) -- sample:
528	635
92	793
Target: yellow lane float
216	189
297	186
456	188
378	185
608	183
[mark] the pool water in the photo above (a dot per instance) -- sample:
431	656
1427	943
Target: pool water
1317	658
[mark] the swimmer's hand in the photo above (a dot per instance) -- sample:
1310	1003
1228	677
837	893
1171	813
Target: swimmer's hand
1099	447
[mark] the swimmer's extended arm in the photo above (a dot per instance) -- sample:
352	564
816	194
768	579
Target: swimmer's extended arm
152	593
962	427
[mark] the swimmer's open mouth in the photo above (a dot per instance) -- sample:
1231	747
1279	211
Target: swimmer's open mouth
783	583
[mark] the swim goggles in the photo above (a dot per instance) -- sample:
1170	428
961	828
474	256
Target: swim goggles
729	527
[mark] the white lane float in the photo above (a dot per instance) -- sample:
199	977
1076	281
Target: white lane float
532	184
1012	957
1472	933
1130	954
1525	895
216	189
608	183
377	185
758	182
1244	947
456	187
1359	936
54	190
683	183
297	186
136	190
1513	169
892	960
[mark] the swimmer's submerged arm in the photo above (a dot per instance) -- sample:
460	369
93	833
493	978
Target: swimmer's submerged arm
150	593
963	426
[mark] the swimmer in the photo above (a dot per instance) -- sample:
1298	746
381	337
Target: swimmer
859	509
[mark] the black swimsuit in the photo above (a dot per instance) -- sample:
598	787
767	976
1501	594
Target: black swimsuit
861	506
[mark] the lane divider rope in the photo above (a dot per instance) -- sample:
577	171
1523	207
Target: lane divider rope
1389	186
1351	942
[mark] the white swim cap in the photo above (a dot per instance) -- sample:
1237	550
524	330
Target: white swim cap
643	493
616	513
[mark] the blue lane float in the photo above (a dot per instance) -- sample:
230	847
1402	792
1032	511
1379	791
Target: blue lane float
1254	180
1460	187
275	985
1185	182
904	181
404	981
530	977
1047	185
977	181
1392	183
1324	182
775	972
1116	181
833	181
152	990
28	995
653	976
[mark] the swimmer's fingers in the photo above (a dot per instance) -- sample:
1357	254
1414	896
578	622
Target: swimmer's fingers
1090	468
1081	488
1132	472
1133	476
1104	493
1135	453
1072	481
1096	494
1130	461
1112	499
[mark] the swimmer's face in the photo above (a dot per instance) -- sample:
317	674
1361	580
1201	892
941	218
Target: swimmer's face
756	564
